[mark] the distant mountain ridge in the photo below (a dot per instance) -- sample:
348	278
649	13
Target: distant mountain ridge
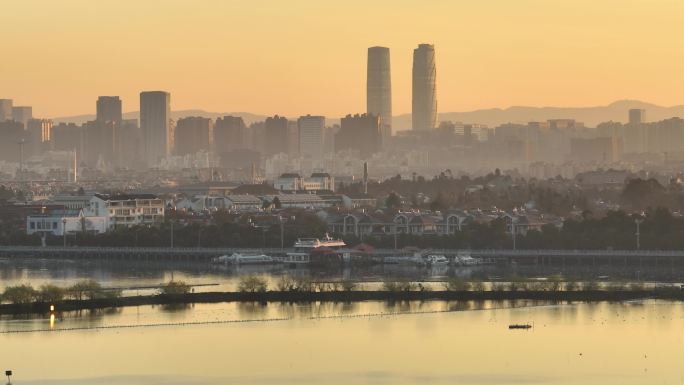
590	116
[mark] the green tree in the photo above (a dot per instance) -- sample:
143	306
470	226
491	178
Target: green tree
393	201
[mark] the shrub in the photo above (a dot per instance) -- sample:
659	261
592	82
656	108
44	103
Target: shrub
456	284
175	288
252	284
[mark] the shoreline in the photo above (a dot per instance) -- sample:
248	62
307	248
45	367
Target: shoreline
341	296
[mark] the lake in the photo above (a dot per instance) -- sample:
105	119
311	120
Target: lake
361	343
432	342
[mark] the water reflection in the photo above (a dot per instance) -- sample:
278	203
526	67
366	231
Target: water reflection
339	343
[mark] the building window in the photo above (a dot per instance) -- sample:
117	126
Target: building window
33	225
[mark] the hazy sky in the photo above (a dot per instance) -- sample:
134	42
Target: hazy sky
309	56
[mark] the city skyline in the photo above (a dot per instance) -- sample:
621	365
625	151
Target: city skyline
508	61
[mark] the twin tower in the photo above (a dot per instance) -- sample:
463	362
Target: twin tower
424	95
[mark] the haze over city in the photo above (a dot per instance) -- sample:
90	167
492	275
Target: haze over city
206	192
294	58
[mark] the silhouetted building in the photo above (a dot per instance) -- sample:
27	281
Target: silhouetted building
637	116
108	109
424	98
275	136
360	133
100	143
311	136
22	114
193	134
155	124
379	88
130	145
5	109
229	134
11	139
39	133
66	137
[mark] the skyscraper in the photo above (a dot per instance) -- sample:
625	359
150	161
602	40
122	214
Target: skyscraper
5	109
108	109
379	88
424	101
155	115
311	136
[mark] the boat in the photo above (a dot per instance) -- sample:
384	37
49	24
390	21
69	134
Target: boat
437	260
463	258
244	259
303	247
520	326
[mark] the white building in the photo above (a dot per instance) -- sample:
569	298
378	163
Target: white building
128	209
57	222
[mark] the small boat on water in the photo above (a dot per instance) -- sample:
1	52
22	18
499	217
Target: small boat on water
244	259
437	260
463	258
520	326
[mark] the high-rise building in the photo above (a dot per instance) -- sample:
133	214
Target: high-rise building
359	133
637	116
292	138
5	109
275	136
39	132
129	147
229	134
66	137
193	134
22	114
379	88
424	98
311	136
12	139
155	124
108	109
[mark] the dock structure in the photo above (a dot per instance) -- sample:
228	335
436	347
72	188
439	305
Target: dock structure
503	256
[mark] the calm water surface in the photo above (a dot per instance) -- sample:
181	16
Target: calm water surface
362	343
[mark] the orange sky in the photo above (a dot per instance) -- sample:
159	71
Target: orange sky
308	56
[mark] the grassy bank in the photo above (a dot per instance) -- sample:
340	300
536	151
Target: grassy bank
340	296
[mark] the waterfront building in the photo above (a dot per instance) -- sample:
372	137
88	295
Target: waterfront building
424	97
59	222
126	210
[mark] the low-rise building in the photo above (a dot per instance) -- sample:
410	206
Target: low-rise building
128	209
60	221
